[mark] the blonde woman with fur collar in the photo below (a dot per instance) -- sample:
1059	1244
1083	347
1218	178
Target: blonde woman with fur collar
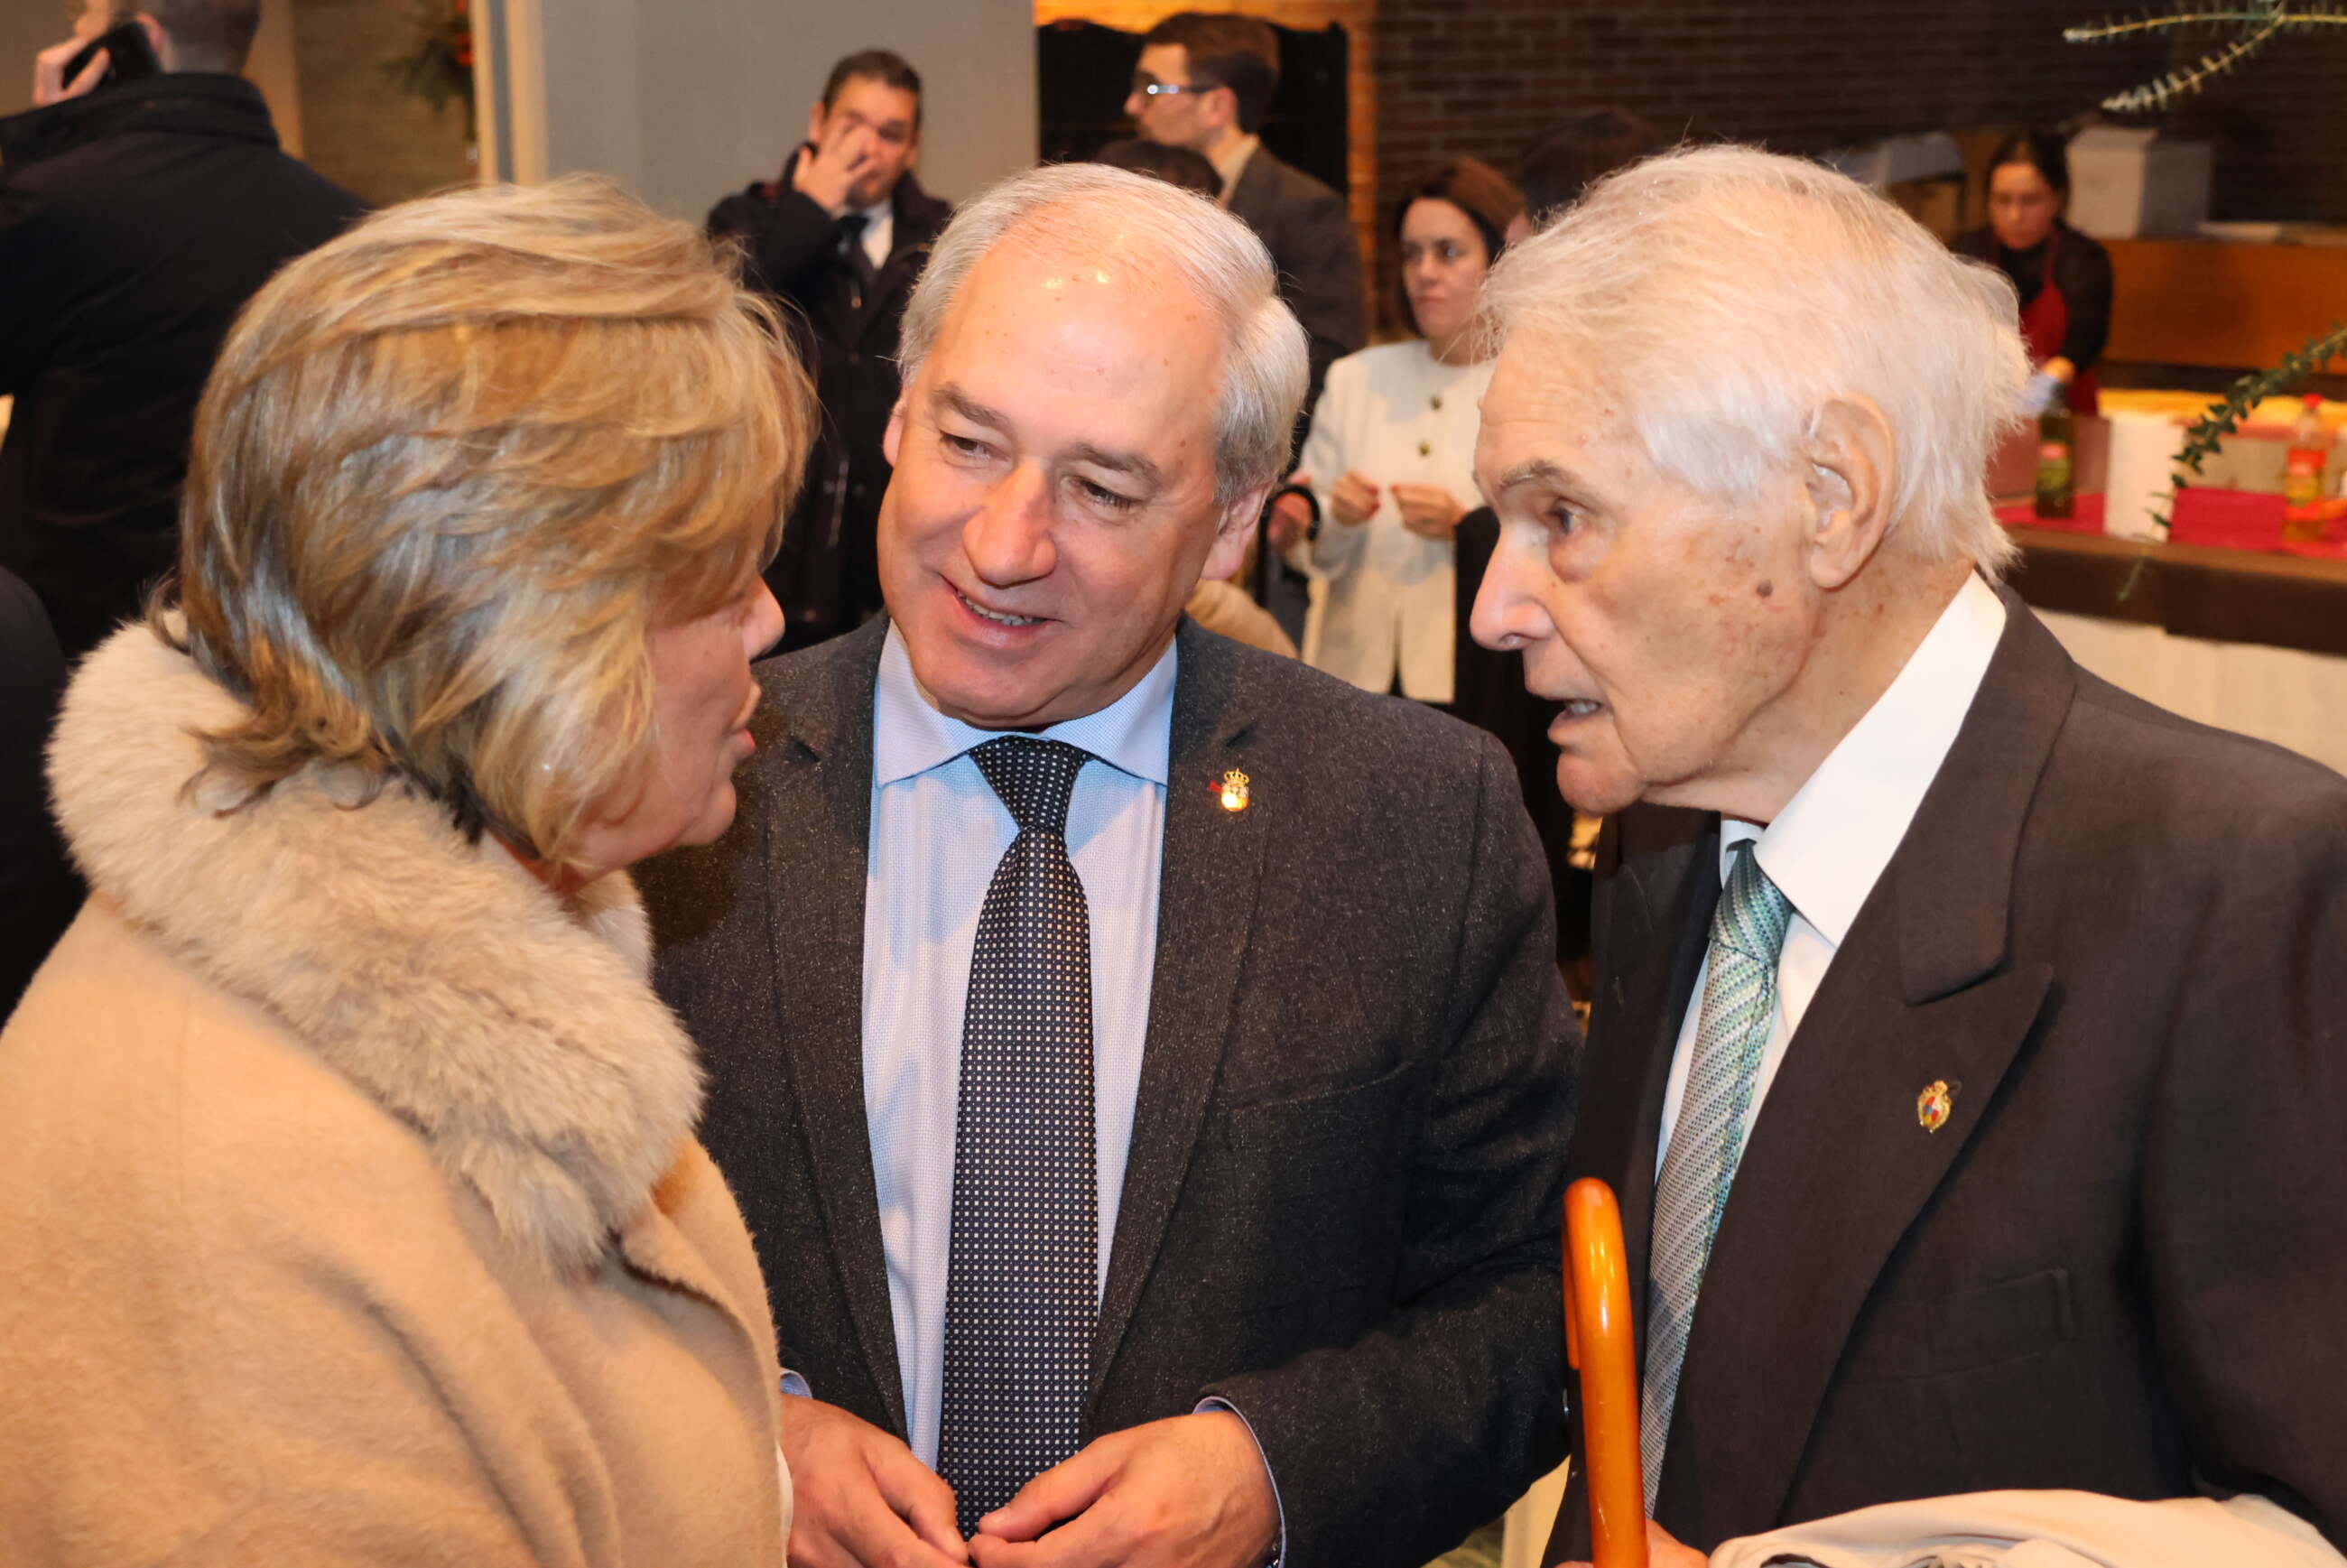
353	1208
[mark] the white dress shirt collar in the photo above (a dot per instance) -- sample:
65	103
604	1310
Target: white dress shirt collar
1132	734
1828	846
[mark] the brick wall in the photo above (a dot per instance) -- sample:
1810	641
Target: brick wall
2279	122
1435	79
1482	77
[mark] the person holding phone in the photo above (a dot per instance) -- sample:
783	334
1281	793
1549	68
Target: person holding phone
143	199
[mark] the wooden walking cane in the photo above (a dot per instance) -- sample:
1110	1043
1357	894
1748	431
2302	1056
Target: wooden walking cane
1598	1343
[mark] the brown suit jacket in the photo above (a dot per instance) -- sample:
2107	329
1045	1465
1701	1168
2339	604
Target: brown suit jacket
1340	1210
2121	939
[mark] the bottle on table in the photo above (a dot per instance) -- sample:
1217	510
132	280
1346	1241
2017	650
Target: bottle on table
2301	473
2056	453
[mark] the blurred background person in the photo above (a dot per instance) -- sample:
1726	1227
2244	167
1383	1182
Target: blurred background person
138	212
349	1151
1205	81
1570	155
1391	459
38	891
840	237
2064	277
1185	167
1216	604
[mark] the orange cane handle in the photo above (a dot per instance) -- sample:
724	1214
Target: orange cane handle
1597	1309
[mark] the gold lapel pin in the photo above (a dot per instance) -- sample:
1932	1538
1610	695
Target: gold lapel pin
1933	1106
1231	789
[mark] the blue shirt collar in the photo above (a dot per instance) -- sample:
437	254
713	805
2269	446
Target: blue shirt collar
1132	734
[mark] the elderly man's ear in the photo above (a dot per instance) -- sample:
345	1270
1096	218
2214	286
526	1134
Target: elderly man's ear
1853	470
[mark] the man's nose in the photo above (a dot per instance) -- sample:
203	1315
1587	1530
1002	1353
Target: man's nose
1508	612
1134	102
1008	539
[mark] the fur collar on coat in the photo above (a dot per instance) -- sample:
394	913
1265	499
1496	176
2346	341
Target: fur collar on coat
518	1037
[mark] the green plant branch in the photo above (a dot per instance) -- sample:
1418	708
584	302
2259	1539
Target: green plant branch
2224	416
2258	23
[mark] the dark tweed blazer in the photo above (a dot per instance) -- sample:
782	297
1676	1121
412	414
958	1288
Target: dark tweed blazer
2120	939
1310	233
1341	1206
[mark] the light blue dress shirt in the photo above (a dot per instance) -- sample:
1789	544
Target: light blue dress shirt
938	830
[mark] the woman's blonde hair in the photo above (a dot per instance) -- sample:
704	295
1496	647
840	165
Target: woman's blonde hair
450	471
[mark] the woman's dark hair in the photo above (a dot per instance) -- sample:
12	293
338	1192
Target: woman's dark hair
1477	189
1574	154
1182	166
2041	150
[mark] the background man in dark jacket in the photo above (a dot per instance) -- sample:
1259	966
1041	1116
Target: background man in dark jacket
840	237
136	216
1206	82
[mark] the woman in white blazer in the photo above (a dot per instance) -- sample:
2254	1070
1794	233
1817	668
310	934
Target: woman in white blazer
1390	458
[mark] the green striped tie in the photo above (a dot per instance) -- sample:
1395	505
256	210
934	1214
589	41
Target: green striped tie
1739	1000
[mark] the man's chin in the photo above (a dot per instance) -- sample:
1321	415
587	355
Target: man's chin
1593	790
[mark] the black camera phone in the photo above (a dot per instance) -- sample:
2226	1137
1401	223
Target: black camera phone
129	56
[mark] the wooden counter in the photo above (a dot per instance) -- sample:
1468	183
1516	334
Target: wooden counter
2227	303
2188	590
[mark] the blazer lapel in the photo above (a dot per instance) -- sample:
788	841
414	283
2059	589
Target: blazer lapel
1665	882
1210	868
1842	1160
817	843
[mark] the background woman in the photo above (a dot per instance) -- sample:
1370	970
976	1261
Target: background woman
1390	458
353	1211
2063	276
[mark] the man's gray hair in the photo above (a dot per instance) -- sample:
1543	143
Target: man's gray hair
1723	296
1080	208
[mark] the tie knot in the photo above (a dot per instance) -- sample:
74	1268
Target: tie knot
1753	912
851	228
1033	776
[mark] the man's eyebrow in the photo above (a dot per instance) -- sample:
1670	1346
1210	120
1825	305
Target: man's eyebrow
1537	471
956	401
1131	463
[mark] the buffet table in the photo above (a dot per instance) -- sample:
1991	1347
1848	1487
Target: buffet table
2241	639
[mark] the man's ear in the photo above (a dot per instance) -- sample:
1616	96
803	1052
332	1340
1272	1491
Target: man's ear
1854	461
1225	107
815	124
894	436
1232	532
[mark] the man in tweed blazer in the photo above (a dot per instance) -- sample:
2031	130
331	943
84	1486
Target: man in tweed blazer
1331	1052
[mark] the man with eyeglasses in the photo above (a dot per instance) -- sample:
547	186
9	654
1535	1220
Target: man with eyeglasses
840	237
1206	82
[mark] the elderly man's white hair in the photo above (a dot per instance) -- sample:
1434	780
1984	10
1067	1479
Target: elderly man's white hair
1089	210
1722	296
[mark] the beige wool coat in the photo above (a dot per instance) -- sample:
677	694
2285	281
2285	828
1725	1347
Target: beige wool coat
349	1205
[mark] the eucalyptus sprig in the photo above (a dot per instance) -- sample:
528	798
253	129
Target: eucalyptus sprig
2258	23
2224	416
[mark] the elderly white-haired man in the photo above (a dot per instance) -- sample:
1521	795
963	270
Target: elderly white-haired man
1162	1042
1971	1038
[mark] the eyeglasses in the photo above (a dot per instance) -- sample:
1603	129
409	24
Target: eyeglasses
1150	86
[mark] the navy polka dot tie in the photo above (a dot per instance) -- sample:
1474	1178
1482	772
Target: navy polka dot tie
1021	1282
